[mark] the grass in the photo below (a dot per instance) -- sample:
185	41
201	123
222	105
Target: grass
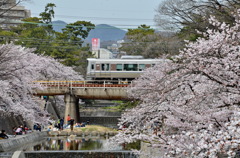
113	108
123	106
92	128
118	101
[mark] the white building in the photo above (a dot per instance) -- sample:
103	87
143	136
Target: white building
11	13
102	53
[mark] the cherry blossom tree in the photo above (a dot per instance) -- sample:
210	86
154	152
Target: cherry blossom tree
190	106
19	66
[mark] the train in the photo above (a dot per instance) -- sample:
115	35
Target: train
126	68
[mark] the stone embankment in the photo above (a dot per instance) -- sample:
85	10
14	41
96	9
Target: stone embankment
18	143
21	140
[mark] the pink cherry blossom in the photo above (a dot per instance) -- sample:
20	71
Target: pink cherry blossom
19	66
195	99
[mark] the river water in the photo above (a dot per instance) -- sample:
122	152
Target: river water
100	116
83	147
68	144
66	147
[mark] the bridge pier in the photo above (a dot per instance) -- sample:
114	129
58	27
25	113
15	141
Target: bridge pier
71	107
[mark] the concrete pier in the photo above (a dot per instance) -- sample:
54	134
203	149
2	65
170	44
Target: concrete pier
71	107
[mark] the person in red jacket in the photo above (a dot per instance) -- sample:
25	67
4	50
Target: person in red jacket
68	119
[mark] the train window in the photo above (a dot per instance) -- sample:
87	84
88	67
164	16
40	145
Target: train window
102	66
131	67
105	67
141	67
92	66
119	67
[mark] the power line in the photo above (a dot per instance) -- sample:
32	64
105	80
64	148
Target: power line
102	18
113	19
94	27
45	42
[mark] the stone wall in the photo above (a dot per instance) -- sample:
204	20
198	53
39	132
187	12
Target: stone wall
8	122
19	141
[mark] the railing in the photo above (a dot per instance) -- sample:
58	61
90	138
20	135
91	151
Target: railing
84	84
81	154
6	154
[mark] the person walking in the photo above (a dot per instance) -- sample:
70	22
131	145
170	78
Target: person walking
71	124
61	123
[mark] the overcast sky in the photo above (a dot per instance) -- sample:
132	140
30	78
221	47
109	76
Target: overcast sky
120	13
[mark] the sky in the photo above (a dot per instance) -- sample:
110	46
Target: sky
119	13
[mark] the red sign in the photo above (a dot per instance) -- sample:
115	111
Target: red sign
95	43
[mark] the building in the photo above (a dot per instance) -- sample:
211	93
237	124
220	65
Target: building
102	53
11	14
98	52
115	47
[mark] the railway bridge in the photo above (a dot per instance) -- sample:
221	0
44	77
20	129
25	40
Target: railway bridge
75	90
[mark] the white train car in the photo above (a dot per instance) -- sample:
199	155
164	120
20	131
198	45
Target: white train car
126	68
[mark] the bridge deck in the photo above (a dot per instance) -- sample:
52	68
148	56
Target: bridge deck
109	90
83	83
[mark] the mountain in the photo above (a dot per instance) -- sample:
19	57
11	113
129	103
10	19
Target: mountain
58	25
103	31
106	33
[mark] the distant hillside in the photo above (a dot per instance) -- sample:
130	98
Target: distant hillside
58	25
103	31
106	33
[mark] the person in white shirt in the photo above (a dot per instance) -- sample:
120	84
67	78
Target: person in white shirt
19	131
